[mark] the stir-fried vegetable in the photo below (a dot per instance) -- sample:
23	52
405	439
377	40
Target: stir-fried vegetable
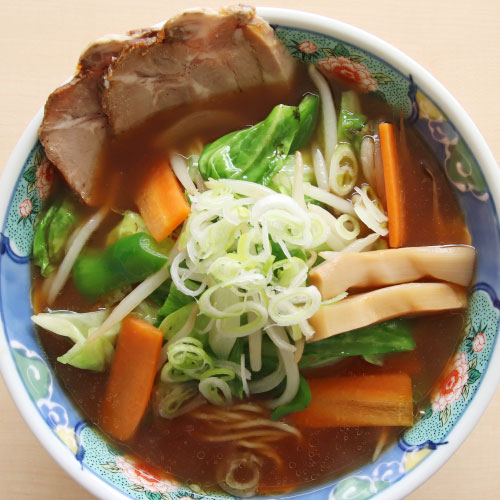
258	153
52	232
130	260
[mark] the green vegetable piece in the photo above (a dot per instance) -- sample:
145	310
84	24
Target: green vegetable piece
52	232
374	359
161	293
175	321
257	153
172	396
40	248
389	336
147	311
349	100
299	402
308	111
352	126
176	299
96	355
280	255
282	182
129	260
130	224
236	384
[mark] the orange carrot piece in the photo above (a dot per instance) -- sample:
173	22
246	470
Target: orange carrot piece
393	186
370	400
131	379
161	201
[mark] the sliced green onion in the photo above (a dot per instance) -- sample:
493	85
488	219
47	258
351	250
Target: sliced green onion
347	227
306	329
220	344
222	373
269	382
279	338
337	298
186	360
294	305
208	309
334	241
292	377
244	188
320	230
289	272
174	397
343	170
234	367
257	312
215	391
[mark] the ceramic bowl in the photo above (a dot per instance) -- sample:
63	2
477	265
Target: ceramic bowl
373	66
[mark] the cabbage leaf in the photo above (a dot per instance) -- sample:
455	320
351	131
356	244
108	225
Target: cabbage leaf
131	223
382	338
52	231
257	153
96	355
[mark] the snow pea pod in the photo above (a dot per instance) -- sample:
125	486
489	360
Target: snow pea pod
130	260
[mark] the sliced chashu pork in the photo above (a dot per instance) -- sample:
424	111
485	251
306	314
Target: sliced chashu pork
74	126
73	131
196	55
199	54
100	53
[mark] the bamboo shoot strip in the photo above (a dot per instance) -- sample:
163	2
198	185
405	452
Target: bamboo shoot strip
454	264
368	308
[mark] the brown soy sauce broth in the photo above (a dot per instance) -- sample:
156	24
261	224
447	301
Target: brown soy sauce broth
322	454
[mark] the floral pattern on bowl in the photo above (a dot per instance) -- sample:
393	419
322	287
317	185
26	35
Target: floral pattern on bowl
459	383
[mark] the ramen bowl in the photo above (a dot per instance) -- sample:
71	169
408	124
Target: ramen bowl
372	66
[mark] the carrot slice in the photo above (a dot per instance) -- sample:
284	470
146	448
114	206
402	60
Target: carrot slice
161	201
131	379
393	186
370	400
